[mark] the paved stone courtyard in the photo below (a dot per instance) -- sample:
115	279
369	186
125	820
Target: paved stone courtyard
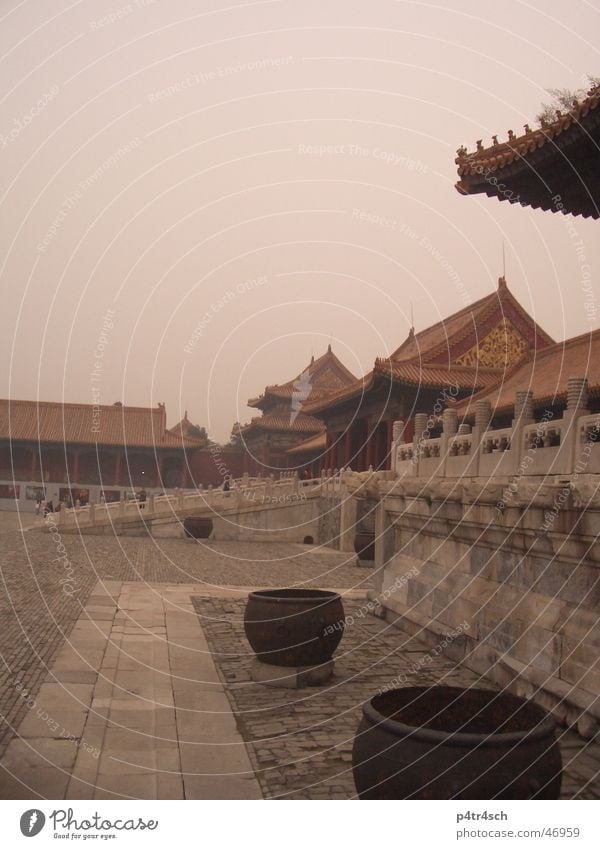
135	683
43	594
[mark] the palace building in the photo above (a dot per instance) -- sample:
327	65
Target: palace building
67	452
468	352
269	439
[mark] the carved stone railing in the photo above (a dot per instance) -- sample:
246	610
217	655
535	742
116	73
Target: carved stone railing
245	492
460	446
496	456
551	446
496	441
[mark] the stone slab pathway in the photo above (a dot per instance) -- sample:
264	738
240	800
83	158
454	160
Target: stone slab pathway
46	581
152	722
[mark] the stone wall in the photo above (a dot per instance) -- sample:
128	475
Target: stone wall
329	521
511	591
290	522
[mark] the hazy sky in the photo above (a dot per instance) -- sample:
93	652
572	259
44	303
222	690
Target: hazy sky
204	193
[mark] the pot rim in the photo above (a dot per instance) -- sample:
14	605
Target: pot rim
308	595
544	728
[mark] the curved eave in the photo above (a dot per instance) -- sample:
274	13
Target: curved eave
552	168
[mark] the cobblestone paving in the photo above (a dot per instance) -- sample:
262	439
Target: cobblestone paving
300	741
44	588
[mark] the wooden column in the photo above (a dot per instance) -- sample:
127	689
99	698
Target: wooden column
370	445
33	469
382	445
118	469
359	444
75	473
376	439
333	460
347	447
388	450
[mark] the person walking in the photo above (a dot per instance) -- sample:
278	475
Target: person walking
142	498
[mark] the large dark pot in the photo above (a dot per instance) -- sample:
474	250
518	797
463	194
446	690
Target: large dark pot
294	627
454	743
364	545
197	527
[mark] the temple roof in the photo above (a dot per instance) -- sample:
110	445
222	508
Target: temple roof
439	342
414	374
181	428
431	376
321	377
87	424
554	167
546	373
310	445
471	349
283	420
186	429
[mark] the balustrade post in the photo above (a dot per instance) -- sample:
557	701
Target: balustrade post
523	417
397	439
577	406
483	417
577	395
398	431
418	438
523	407
449	429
